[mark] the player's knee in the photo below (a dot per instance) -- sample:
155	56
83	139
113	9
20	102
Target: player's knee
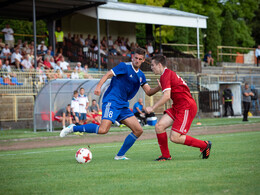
175	139
159	128
102	130
138	132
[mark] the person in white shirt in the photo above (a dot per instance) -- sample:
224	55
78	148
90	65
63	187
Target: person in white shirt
74	74
44	46
9	38
78	67
257	54
26	63
63	64
16	58
6	67
150	48
83	105
75	107
6	52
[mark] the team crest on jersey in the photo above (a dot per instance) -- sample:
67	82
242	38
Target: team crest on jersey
141	79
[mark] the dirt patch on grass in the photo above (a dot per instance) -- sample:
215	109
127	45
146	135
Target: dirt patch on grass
88	139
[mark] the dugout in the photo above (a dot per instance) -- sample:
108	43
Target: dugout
57	94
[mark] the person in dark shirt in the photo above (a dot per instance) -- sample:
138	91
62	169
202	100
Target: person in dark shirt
208	58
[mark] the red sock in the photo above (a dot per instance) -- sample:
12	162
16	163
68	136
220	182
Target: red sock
163	143
191	141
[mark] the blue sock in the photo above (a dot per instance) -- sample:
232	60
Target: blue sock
129	141
87	128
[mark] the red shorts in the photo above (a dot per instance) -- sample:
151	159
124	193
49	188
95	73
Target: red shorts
182	118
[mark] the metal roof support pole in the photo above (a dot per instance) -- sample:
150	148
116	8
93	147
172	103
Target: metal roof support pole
198	39
34	34
160	39
53	37
98	39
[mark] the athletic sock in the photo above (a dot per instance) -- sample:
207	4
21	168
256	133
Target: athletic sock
87	128
191	141
129	141
163	143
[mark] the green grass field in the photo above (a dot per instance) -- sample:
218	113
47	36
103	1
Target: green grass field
233	168
28	133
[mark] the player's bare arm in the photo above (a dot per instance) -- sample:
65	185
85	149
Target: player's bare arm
166	97
151	91
108	75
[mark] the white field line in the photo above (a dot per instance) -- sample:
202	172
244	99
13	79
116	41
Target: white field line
116	145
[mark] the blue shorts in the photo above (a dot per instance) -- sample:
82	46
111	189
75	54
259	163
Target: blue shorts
83	116
76	115
115	113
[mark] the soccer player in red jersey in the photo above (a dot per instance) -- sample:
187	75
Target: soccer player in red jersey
179	116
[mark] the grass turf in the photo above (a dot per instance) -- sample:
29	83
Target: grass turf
232	168
28	133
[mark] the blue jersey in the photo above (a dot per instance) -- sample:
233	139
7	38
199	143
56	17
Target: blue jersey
137	104
124	84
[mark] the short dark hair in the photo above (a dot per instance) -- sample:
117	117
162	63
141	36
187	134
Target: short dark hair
159	59
81	88
75	92
94	100
140	51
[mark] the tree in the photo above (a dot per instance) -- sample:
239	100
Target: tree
228	29
213	38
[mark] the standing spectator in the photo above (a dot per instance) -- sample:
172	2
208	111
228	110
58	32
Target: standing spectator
254	98
208	58
6	52
228	100
16	58
110	42
63	64
26	63
74	74
150	49
247	94
59	35
9	38
257	54
83	105
75	107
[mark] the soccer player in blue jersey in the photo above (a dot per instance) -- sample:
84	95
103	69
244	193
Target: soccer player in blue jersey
125	83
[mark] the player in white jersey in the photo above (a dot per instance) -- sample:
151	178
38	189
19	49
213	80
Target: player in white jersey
75	107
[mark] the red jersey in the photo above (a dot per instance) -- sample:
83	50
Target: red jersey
180	92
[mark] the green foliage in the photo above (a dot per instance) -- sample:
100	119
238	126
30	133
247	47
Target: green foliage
228	30
232	168
24	27
213	38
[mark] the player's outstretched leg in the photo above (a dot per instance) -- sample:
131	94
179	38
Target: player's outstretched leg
87	128
133	124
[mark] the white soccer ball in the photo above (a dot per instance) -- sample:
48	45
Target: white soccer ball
83	155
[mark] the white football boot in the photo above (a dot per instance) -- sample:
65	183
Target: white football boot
67	130
121	158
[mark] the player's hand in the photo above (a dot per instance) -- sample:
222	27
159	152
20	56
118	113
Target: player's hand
97	91
159	83
149	110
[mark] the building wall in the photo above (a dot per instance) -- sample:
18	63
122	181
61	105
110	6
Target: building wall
80	24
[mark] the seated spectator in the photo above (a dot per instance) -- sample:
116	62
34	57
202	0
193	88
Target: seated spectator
58	57
24	48
89	40
42	46
41	52
47	64
57	67
53	64
94	111
113	51
51	49
208	58
74	74
78	67
39	61
16	58
26	64
123	48
82	41
64	116
6	67
139	111
48	55
29	49
64	65
110	42
6	52
20	43
59	74
31	57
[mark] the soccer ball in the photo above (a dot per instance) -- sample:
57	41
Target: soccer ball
83	155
